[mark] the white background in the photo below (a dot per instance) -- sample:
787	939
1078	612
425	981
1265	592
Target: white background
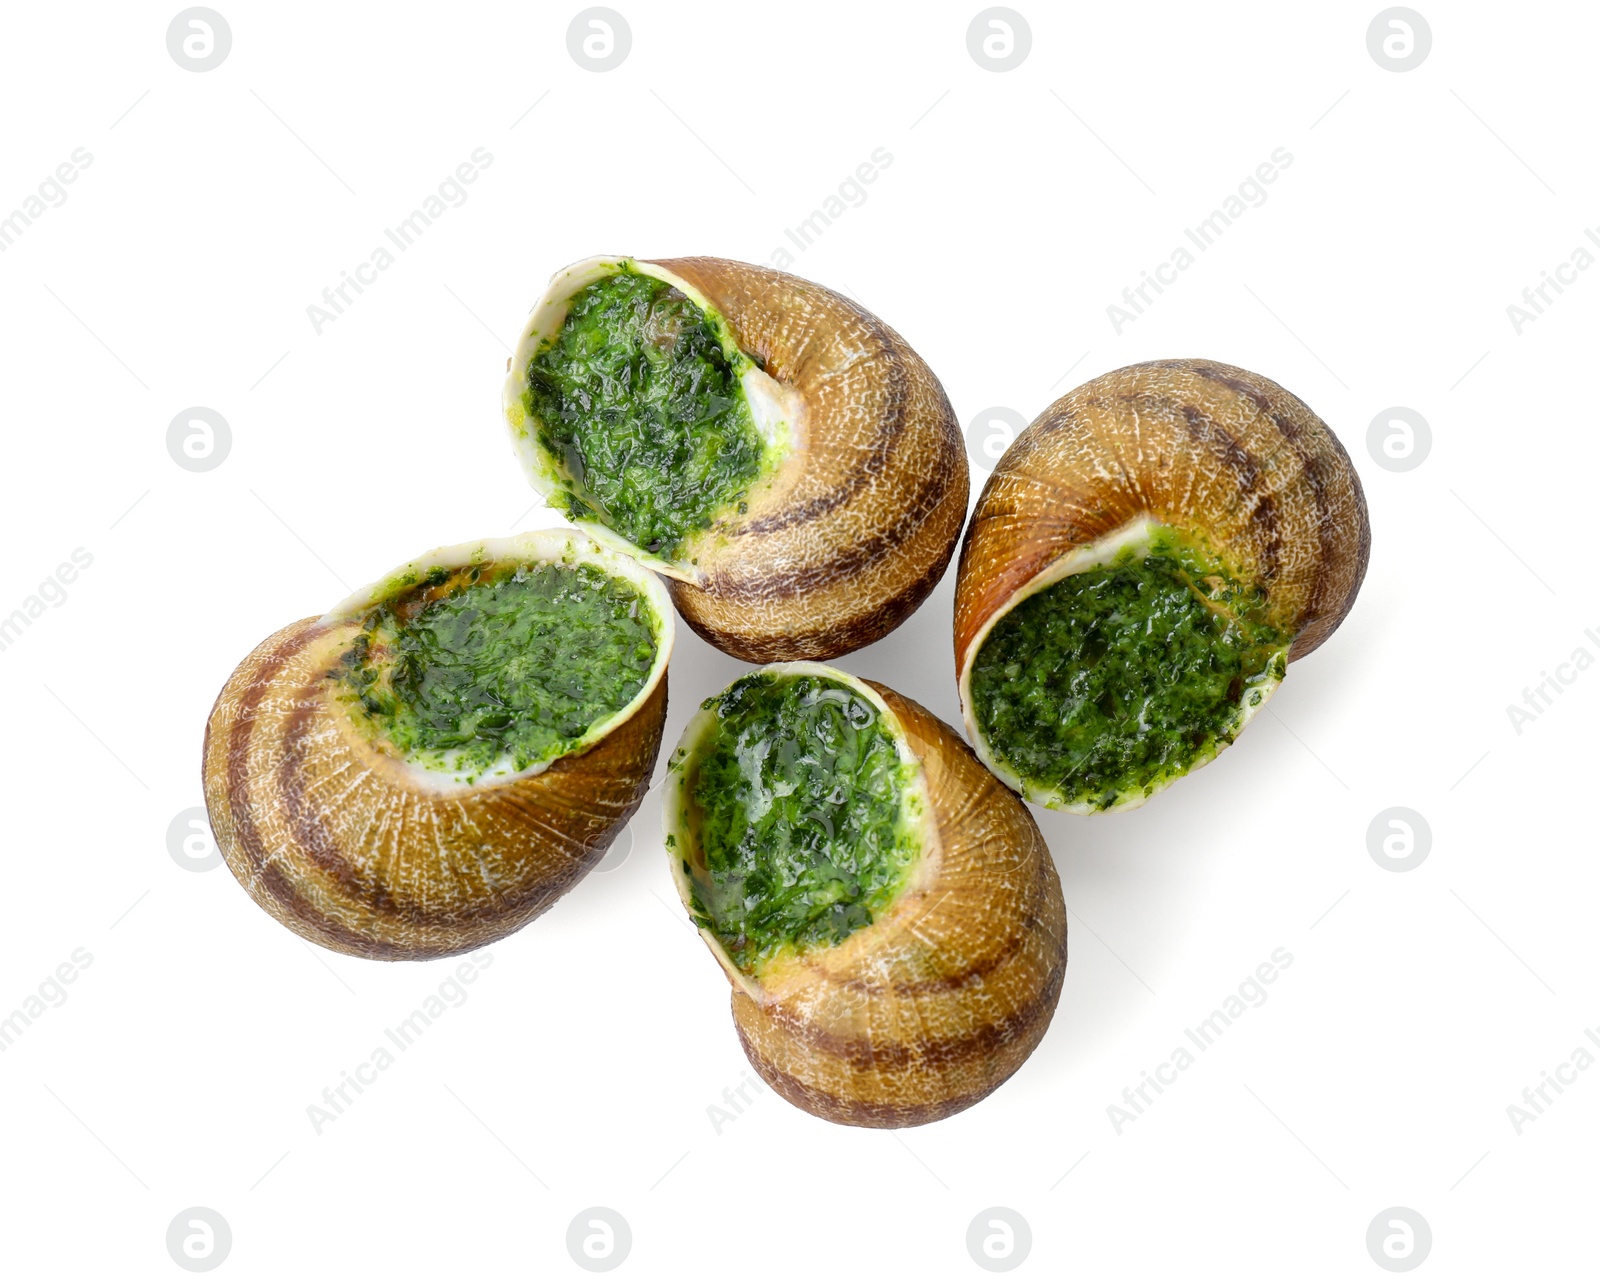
1018	205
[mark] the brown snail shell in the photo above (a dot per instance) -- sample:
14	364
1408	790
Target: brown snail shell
359	850
856	526
1192	444
939	1000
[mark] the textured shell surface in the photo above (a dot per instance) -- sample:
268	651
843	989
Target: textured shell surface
1196	445
938	1001
856	523
359	850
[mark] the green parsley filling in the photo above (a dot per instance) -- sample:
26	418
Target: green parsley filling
798	801
640	403
479	671
1115	680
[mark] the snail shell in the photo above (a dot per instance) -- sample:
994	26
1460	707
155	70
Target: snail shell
942	997
855	520
1191	445
358	849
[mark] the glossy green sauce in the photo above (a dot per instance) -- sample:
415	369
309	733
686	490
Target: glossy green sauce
487	673
643	408
801	812
1117	679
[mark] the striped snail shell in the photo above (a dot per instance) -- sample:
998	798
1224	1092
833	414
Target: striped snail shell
1142	565
932	1000
827	541
400	854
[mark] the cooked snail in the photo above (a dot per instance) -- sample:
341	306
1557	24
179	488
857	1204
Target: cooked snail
887	913
1146	560
429	766
773	449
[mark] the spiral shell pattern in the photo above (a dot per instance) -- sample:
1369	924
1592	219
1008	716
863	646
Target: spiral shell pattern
941	999
1194	444
359	851
1201	447
861	519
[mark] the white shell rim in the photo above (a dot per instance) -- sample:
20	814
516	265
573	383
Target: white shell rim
1091	555
673	800
540	546
777	410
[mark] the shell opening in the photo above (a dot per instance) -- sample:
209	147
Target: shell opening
489	662
1120	668
638	414
796	815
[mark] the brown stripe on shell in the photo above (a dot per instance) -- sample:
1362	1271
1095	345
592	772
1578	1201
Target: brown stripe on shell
339	843
887	431
1266	515
855	1111
1248	469
924	504
1236	458
970	976
1243	386
233	822
1312	446
939	1001
849	634
867	1053
857	528
1337	489
305	823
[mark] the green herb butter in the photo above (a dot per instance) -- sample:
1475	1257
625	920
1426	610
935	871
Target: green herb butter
1116	679
800	805
639	402
474	673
